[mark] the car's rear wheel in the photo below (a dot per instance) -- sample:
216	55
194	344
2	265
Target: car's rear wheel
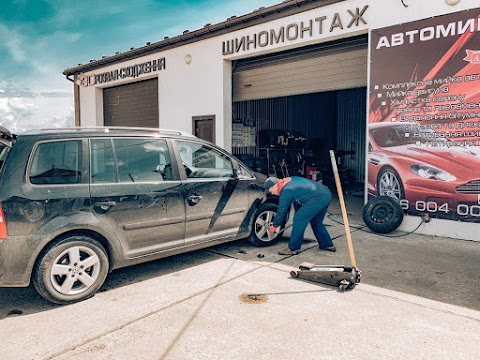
71	270
390	184
261	222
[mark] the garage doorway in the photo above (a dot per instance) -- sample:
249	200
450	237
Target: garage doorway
303	103
203	127
134	105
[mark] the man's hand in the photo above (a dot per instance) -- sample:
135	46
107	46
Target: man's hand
272	229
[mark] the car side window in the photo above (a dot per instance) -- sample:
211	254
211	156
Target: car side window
243	173
57	162
103	168
143	160
130	160
202	161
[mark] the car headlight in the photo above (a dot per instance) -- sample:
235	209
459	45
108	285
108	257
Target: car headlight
431	172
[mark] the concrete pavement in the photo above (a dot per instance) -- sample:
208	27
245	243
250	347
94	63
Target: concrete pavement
228	303
202	312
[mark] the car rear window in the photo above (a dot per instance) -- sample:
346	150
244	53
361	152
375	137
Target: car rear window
57	162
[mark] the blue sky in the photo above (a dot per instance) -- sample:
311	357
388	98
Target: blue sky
41	38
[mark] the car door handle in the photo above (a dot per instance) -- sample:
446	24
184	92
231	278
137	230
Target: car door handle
194	199
105	205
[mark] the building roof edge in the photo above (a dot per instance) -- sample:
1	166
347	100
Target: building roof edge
233	23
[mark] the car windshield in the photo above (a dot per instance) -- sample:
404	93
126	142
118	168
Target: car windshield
402	134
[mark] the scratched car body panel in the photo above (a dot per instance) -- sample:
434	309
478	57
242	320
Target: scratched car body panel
78	203
433	178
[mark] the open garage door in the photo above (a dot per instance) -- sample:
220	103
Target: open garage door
317	94
316	69
134	104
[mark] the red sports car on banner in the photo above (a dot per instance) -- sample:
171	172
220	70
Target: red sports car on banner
426	172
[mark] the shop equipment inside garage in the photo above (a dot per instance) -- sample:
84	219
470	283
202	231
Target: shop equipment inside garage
289	109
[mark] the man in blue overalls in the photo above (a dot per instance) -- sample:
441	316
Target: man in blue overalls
310	200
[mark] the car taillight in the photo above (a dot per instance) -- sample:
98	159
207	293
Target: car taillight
3	225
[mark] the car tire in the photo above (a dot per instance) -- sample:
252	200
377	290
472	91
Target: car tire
81	265
264	216
383	214
390	184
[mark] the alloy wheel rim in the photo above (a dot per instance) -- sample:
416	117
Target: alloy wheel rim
75	270
262	223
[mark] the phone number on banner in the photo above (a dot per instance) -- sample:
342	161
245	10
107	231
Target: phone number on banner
433	207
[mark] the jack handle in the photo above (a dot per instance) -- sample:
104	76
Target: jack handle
344	210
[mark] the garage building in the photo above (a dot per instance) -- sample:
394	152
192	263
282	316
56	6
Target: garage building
278	87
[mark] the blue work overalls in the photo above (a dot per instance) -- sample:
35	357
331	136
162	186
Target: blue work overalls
310	200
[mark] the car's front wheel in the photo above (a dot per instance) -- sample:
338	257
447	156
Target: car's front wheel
71	270
261	222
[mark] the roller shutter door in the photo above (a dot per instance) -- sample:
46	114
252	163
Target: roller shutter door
332	67
133	104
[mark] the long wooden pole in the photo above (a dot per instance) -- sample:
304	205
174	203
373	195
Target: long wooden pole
344	210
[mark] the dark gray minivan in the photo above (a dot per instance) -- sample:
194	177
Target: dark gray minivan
76	203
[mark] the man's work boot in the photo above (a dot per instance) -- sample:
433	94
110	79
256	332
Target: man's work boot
330	248
287	251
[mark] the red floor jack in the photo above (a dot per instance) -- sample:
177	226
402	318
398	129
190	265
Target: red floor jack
345	277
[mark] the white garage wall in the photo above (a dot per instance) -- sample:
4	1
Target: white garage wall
185	90
194	89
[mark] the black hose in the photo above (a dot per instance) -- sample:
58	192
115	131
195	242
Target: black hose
363	227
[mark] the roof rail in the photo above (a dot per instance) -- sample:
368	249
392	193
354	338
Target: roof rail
123	128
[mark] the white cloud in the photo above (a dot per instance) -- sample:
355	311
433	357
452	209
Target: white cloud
13	42
22	109
8	90
13	112
38	95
